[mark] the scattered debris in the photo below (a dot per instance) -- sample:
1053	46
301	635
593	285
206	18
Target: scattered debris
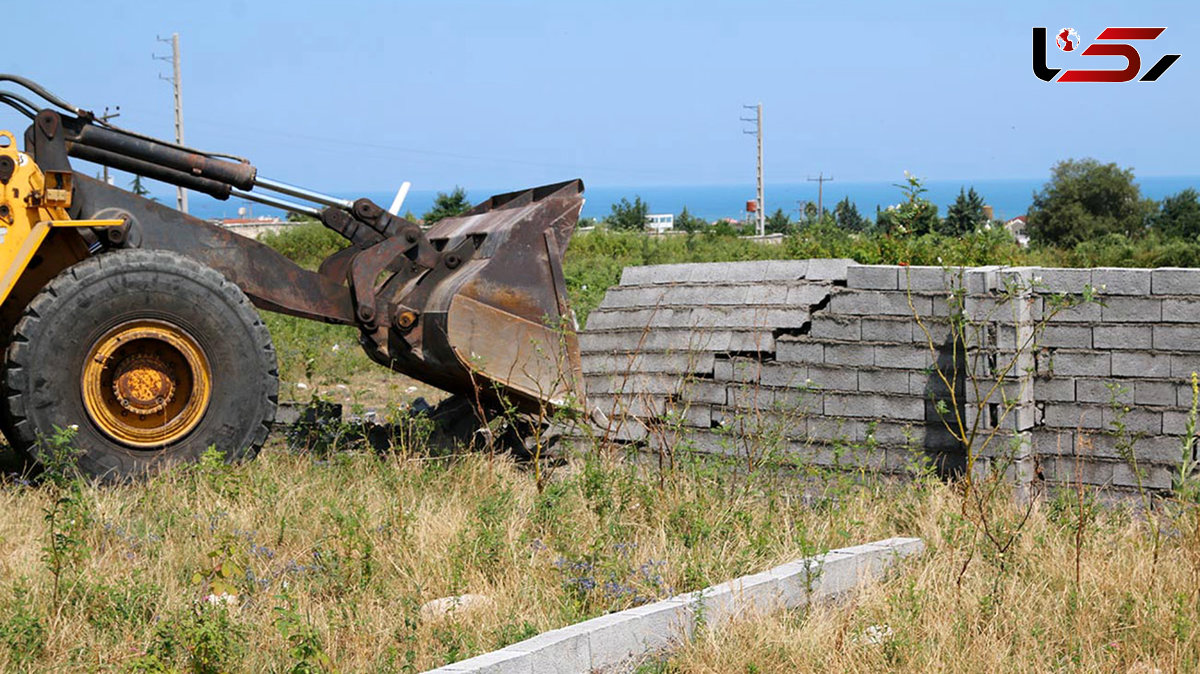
438	609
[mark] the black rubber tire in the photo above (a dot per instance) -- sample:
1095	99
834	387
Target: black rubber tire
44	361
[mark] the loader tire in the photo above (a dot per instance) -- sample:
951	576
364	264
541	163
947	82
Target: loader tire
150	356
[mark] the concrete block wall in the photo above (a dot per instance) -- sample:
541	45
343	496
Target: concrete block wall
831	363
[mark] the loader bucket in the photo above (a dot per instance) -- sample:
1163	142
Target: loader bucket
497	325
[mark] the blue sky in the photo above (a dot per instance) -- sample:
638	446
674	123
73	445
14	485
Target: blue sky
356	95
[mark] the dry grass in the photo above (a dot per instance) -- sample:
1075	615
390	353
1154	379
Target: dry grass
329	560
1025	613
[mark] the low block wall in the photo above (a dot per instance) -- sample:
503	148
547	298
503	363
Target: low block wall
1060	375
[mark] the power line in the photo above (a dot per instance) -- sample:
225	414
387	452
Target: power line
177	83
820	180
758	134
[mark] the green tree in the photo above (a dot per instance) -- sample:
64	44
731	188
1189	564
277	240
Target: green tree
627	215
848	218
447	205
915	215
139	189
965	214
778	223
1083	201
810	211
688	222
1179	215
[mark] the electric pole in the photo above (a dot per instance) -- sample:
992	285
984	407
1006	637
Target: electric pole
177	82
820	180
758	133
104	118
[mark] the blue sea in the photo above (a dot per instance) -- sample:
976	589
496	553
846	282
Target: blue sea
1009	198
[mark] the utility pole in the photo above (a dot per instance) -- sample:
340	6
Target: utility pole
104	118
174	79
758	133
820	180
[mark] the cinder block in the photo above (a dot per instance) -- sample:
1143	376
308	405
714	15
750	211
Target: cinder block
633	297
1132	310
828	269
1175	281
1065	336
1181	309
1123	337
909	356
799	350
1176	338
785	375
998	415
755	397
1155	449
1102	391
737	272
1121	281
703	391
1136	420
981	280
1146	476
829	326
931	279
806	294
1139	364
1054	389
659	273
1061	281
1016	281
873	277
1183	365
849	354
1085	312
1072	416
886	329
1175	423
697	363
1183	393
772	293
833	378
883	381
786	270
1080	364
1070	469
759	341
874	406
1155	392
879	303
737	369
935	330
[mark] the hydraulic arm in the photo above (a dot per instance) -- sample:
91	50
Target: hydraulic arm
474	305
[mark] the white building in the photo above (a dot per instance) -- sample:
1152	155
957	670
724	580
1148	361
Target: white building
660	222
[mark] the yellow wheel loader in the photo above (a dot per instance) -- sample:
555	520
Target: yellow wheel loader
136	325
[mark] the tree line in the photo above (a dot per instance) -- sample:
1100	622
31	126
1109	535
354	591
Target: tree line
1084	201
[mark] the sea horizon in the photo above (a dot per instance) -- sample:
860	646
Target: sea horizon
1008	197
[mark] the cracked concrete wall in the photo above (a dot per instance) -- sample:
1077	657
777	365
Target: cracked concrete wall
830	363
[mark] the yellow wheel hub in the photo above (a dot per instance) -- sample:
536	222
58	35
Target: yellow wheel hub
146	383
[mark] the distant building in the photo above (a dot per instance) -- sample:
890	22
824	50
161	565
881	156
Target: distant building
253	227
1017	227
660	222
